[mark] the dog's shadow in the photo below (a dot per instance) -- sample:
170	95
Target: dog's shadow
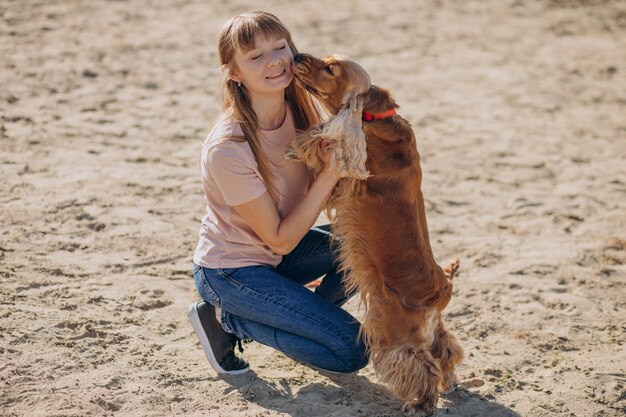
350	395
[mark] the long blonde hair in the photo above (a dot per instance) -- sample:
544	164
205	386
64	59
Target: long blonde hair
238	33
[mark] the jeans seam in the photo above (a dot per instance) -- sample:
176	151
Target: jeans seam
225	325
209	287
227	276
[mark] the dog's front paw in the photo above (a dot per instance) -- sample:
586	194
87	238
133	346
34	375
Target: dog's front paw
291	155
420	408
449	383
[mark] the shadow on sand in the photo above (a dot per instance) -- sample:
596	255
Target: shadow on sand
351	395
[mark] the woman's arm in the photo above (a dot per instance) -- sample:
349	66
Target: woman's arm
282	235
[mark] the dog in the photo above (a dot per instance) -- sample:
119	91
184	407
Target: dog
381	230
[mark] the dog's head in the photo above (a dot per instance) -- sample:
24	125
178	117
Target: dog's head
336	81
341	86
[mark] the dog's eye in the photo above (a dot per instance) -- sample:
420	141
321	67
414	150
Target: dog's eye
329	69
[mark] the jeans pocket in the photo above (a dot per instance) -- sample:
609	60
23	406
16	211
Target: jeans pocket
228	274
204	287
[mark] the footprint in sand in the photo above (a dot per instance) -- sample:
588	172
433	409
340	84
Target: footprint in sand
151	299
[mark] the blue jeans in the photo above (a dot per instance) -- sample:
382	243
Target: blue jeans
271	306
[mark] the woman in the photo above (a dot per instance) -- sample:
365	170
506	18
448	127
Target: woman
257	247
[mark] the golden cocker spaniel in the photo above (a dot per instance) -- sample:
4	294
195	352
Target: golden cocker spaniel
380	225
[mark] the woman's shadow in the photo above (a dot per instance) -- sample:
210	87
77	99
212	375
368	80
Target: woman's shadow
350	395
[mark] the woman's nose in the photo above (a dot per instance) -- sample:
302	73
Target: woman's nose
274	60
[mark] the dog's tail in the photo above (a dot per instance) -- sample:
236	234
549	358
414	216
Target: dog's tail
451	269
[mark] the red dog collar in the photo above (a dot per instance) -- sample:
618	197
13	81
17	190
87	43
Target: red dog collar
368	117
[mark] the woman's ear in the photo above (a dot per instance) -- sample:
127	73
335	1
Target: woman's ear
230	74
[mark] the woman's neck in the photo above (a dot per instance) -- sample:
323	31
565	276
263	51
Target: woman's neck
270	110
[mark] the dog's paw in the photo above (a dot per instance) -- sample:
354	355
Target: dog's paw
420	408
451	269
449	383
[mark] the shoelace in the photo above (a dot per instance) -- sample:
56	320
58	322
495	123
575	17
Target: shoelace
244	341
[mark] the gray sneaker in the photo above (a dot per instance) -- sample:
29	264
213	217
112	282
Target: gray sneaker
218	345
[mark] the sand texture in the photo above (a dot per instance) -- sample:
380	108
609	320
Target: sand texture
519	108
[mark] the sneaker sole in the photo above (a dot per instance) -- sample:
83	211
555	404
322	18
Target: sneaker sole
194	318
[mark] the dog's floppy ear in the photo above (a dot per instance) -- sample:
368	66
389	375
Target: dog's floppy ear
344	131
352	149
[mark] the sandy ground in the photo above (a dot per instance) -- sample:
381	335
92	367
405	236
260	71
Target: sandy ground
520	112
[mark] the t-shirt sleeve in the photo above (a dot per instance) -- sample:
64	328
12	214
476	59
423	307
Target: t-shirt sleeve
234	173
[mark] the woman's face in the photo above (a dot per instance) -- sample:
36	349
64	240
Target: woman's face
266	68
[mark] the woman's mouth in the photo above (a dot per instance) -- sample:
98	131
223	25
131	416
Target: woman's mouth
276	74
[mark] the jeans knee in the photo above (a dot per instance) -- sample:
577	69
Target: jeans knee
359	358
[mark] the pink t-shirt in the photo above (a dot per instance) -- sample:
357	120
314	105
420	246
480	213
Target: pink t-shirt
230	177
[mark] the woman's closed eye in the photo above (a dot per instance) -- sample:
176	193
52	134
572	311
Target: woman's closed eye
255	57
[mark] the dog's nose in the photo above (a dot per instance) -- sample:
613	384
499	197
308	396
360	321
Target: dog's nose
298	58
